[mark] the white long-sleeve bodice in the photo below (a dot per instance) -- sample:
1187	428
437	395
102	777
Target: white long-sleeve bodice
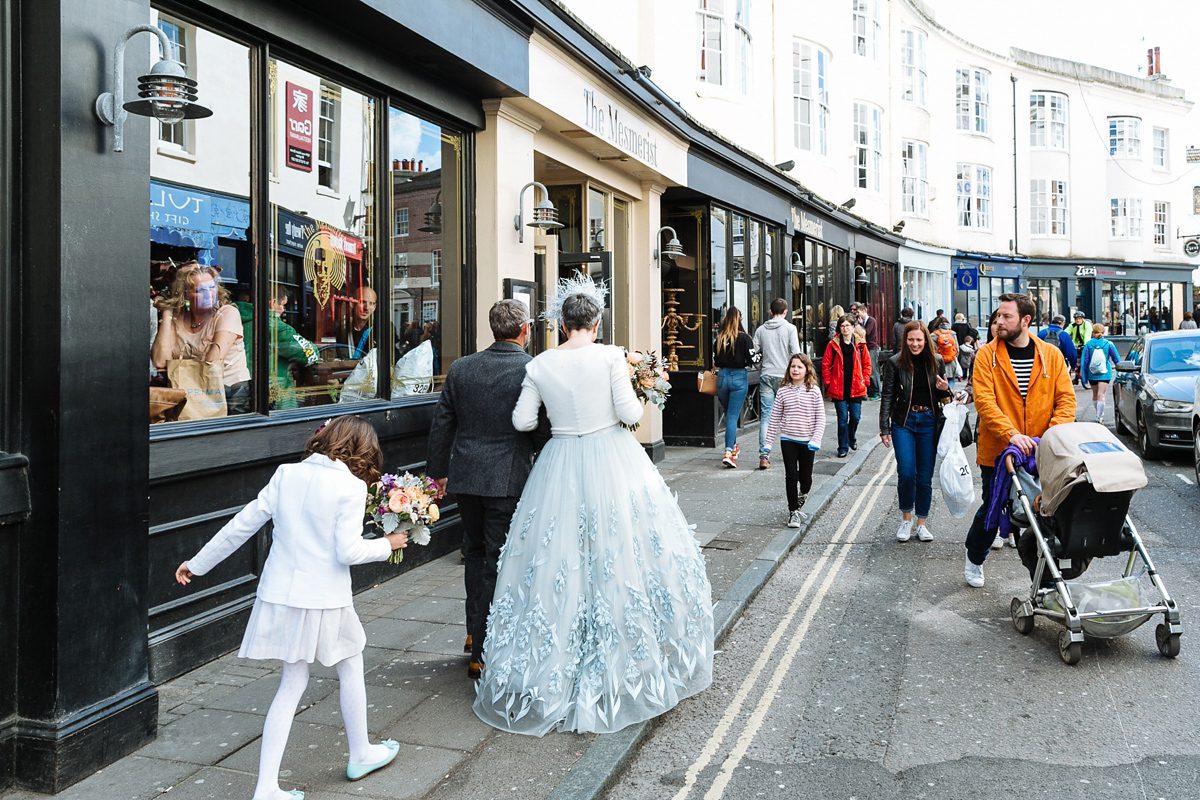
584	390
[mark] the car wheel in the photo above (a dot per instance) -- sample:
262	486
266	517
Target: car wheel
1120	426
1143	436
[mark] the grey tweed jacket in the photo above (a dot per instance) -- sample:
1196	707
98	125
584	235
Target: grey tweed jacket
472	441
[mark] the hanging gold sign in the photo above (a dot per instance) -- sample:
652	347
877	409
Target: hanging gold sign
325	263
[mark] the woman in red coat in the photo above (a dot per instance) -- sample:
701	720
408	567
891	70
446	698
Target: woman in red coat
846	369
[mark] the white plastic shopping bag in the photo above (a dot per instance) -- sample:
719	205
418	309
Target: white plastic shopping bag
958	490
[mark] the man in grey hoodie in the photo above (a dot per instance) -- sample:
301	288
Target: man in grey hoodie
778	341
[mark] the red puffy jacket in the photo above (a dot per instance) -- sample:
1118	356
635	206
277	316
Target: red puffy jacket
831	371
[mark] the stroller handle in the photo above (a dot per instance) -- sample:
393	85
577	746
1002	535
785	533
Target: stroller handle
1008	464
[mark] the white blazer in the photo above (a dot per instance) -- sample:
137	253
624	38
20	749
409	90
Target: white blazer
318	507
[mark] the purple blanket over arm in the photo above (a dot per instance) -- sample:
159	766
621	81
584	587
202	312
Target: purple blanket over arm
995	519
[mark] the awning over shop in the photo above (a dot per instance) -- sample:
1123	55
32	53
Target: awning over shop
186	217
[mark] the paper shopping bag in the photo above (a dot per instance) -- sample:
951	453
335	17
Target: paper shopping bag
202	381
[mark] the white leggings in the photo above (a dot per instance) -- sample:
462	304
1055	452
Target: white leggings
278	725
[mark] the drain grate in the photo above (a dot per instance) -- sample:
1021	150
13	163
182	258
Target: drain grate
722	544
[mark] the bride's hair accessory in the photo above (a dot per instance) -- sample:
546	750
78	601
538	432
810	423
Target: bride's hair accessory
578	283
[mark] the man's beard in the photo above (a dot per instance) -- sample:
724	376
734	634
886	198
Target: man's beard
1006	335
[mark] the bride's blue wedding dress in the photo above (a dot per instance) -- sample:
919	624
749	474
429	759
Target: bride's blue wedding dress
603	611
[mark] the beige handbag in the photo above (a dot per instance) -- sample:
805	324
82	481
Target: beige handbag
203	383
706	382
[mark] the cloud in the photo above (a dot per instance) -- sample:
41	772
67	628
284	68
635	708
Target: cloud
412	137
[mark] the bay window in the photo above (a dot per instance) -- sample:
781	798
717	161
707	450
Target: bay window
865	41
1162	217
868	146
1125	137
972	97
974	196
810	96
1047	207
914	180
1048	120
1126	216
912	66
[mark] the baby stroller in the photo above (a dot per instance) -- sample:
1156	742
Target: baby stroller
1078	512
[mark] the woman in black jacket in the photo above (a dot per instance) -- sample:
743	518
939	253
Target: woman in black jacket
734	351
914	384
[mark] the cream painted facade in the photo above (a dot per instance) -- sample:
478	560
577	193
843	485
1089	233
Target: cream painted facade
895	63
572	130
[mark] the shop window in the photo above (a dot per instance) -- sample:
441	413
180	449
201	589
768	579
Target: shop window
201	248
810	96
912	66
1047	299
742	253
1131	308
1048	120
1125	137
427	172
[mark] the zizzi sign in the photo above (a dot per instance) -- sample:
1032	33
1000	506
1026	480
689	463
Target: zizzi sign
603	118
1085	272
299	127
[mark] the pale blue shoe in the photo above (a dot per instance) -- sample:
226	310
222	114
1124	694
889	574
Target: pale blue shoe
358	771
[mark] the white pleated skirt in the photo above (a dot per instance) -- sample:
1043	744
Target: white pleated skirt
328	635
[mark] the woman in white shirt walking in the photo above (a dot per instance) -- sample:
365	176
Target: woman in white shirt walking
304	610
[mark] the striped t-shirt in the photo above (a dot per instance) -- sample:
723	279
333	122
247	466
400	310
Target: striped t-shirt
1022	363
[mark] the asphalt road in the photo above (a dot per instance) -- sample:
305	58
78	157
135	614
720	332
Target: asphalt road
868	669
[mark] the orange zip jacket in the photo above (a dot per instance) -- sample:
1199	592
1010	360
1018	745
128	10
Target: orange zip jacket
1002	411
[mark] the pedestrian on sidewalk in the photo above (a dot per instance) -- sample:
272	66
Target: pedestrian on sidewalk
910	416
946	345
870	329
846	369
1189	322
906	316
1022	386
776	339
962	329
798	418
475	452
304	610
1097	363
734	353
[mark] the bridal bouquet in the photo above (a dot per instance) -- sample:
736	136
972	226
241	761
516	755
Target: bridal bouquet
648	374
403	503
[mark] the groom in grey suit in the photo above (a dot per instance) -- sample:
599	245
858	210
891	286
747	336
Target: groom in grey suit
477	454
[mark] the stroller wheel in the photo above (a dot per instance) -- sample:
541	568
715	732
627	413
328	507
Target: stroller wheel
1022	622
1070	651
1168	643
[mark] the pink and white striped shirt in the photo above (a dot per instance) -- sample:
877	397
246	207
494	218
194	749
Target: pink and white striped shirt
798	414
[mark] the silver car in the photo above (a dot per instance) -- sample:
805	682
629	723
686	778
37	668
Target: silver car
1154	393
1196	431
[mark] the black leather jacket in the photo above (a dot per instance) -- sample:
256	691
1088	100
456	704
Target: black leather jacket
897	394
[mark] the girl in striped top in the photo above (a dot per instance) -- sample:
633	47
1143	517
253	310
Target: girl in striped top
798	418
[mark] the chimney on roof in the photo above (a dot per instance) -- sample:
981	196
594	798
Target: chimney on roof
1154	71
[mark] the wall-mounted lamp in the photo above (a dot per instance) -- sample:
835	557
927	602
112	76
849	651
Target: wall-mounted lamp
786	166
849	204
898	227
798	265
167	93
860	275
545	215
673	250
433	217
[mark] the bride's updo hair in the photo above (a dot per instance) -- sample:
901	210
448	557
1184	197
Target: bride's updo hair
579	312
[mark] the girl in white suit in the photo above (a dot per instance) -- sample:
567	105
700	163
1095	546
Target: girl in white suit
304	609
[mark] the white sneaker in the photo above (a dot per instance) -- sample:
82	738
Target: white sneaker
1012	540
904	532
974	574
923	534
796	519
998	542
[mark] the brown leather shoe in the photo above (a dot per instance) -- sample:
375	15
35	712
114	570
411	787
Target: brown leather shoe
474	670
467	647
764	462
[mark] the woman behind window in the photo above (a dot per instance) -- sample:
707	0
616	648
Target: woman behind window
914	381
846	370
734	351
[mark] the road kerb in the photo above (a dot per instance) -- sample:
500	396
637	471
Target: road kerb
608	755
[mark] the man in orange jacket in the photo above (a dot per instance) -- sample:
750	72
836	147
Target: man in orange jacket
1022	387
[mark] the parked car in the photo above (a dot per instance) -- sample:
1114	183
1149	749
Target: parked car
1196	431
1154	393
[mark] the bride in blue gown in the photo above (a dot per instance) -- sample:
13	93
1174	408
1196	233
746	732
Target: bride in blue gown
602	615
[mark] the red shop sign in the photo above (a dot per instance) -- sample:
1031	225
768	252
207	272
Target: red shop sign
299	127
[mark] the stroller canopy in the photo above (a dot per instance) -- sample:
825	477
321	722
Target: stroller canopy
1081	451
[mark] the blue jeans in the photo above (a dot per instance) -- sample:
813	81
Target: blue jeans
731	391
767	386
848	414
979	541
915	451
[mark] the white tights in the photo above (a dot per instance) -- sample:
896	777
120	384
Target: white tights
292	683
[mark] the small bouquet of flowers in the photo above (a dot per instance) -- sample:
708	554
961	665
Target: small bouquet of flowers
403	503
648	374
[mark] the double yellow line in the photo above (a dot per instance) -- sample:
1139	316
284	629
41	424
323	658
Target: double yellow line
857	515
